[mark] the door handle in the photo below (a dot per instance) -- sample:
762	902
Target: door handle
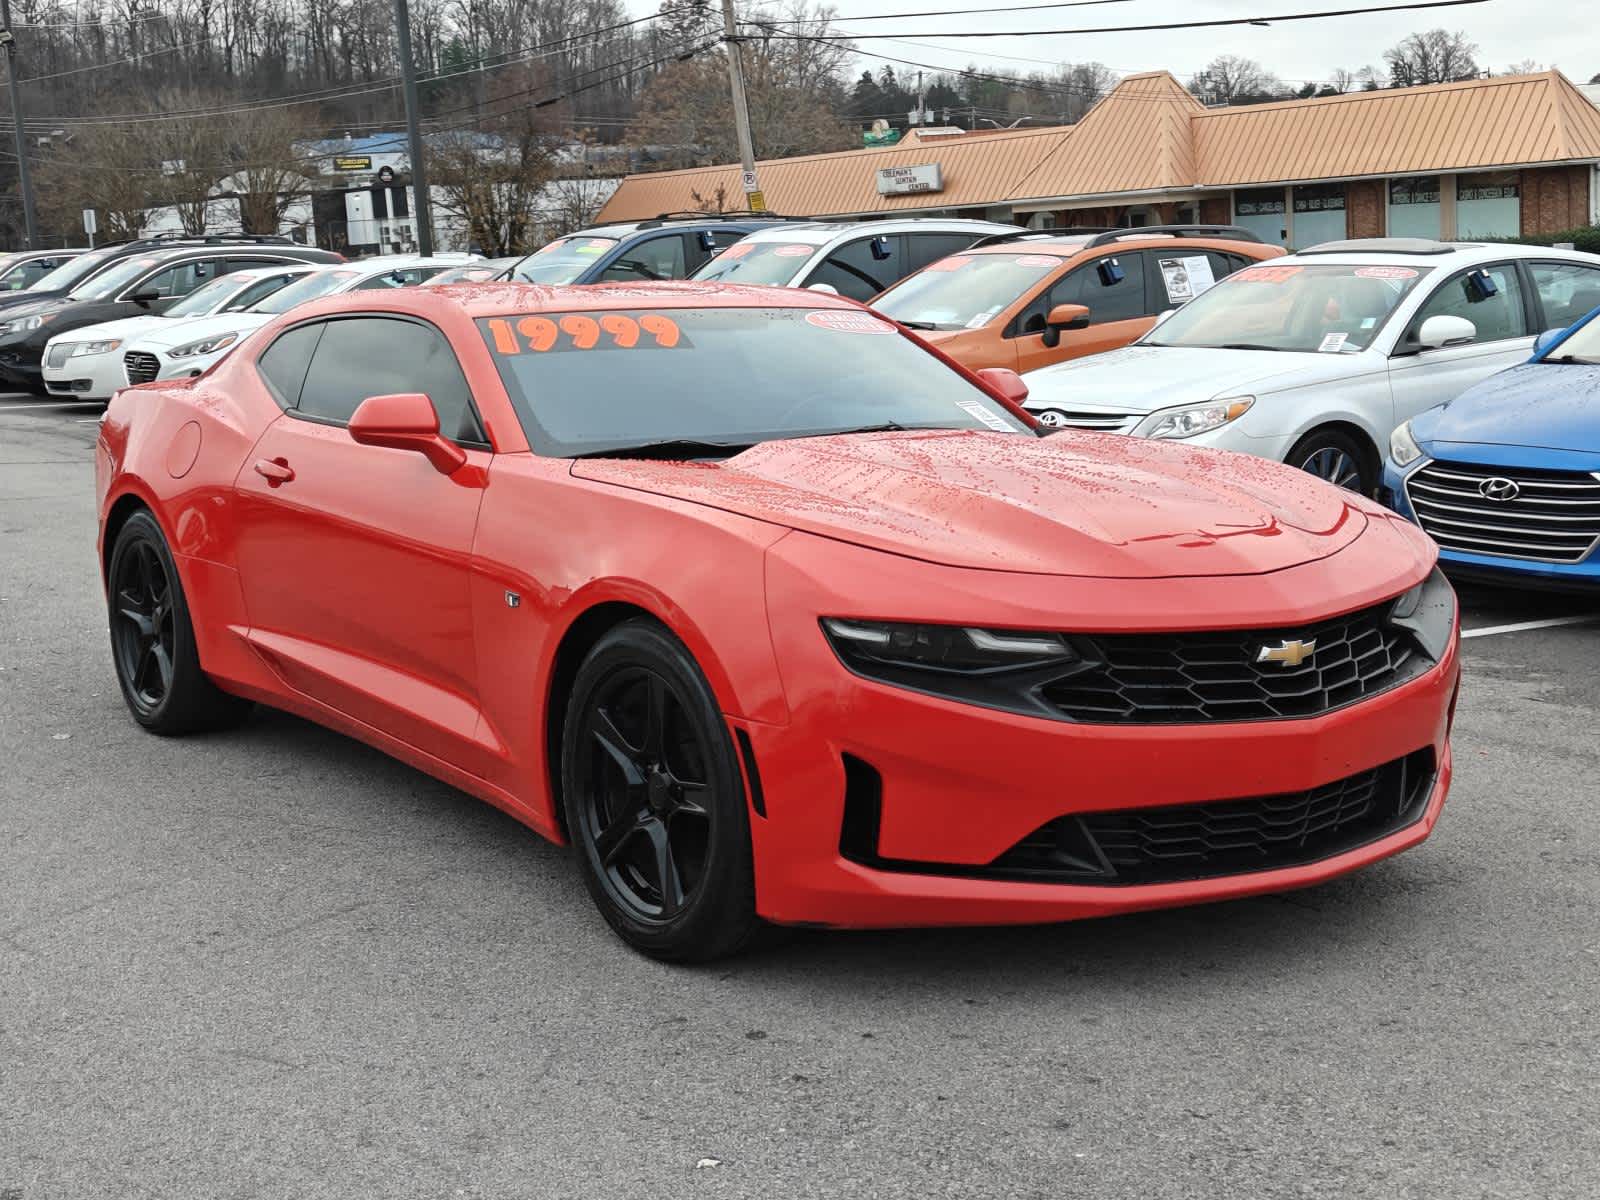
274	471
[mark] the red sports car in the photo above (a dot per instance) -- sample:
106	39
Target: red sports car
775	613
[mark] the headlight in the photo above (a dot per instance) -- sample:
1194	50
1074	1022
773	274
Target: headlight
1403	446
105	347
1192	419
997	668
27	324
208	345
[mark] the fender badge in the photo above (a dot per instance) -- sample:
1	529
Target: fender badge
513	600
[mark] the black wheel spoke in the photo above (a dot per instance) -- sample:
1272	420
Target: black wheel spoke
139	620
669	884
691	800
617	749
655	717
163	664
610	840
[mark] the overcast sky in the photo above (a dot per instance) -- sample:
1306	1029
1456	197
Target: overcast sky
1559	33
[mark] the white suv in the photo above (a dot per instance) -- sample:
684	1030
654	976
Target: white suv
857	259
1314	358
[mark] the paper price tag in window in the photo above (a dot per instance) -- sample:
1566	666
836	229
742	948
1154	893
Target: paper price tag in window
1333	342
992	419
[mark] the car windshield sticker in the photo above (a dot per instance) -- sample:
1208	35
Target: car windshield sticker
1268	274
1333	342
1368	322
979	320
992	419
594	247
848	322
737	250
1385	273
581	331
796	251
954	263
1036	260
1186	277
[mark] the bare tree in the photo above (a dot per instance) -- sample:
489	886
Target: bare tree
1526	66
1437	56
267	177
104	169
1230	79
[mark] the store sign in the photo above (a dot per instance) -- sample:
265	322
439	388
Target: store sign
353	162
908	181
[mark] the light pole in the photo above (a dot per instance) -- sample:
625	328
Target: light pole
24	180
419	181
754	200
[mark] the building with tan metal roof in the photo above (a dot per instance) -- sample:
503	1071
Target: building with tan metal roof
1507	156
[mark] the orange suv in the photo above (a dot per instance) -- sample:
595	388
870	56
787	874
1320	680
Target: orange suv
1027	300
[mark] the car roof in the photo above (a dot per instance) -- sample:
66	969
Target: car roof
819	233
1425	252
503	298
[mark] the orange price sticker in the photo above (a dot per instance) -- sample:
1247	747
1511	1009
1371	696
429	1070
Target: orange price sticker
1268	274
579	331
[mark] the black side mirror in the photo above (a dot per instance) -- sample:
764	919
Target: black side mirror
146	298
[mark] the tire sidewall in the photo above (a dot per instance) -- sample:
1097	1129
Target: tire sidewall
724	897
1333	439
142	527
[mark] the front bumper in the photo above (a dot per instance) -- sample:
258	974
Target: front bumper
961	785
86	376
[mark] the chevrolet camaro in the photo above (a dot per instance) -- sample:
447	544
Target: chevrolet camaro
775	614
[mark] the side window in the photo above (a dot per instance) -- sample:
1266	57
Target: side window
720	240
31	272
283	364
1122	300
259	290
654	258
1568	291
374	356
1496	317
181	278
854	271
925	248
380	283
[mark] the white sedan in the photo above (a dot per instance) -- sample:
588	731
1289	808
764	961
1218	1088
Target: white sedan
87	363
1314	358
177	352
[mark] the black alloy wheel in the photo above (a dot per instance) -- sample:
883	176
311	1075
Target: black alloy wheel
152	640
655	801
1336	458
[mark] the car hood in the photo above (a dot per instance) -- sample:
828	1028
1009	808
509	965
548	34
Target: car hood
1071	504
127	327
1551	405
193	329
1141	379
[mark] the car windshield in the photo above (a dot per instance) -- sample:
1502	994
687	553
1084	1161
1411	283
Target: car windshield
319	283
1581	347
68	273
723	377
563	260
965	291
1331	308
207	296
112	280
758	262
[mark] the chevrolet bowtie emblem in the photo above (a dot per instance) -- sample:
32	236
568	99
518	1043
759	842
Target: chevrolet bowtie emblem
1287	654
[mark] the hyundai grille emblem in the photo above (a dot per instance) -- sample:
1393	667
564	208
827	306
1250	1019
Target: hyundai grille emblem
1499	488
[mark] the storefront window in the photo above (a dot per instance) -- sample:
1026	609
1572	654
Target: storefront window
1414	207
1261	211
1488	205
1318	214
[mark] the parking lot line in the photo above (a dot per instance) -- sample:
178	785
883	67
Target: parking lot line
1519	626
5	408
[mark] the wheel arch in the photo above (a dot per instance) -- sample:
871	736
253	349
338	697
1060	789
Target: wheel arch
123	507
1363	437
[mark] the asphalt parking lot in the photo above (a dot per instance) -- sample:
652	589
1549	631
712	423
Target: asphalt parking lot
276	963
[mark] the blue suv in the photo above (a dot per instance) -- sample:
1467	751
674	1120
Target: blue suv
671	246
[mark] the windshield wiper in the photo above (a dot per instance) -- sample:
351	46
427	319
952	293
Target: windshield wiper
671	449
918	324
886	427
1246	346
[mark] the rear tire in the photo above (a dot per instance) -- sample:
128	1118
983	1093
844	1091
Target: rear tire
1337	458
655	800
152	639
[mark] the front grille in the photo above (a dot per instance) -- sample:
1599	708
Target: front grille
1217	676
1545	516
1231	837
141	367
1105	422
56	356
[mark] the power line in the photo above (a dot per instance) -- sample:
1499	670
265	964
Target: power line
1283	18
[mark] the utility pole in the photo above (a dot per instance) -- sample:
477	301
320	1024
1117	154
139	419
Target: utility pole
754	200
419	180
24	180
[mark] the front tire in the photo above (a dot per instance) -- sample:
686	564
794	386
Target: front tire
1337	458
152	639
655	801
